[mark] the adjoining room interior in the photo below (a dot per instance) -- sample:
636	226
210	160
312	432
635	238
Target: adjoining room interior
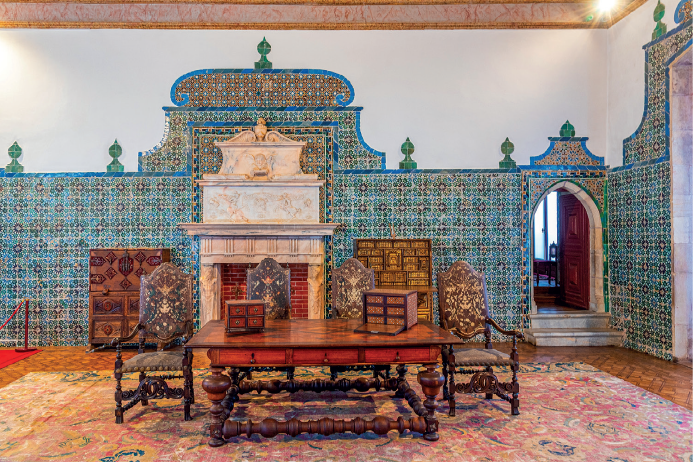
445	230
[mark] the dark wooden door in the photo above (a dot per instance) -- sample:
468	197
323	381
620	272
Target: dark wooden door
574	252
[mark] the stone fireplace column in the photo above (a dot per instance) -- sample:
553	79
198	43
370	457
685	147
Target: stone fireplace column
316	292
210	285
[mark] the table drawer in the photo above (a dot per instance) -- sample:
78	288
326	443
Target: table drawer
255	357
387	355
331	356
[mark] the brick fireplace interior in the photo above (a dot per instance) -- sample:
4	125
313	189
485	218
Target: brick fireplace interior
234	275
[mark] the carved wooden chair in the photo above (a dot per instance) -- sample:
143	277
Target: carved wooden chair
349	282
270	282
463	305
165	314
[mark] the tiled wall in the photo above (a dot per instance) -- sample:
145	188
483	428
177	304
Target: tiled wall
50	223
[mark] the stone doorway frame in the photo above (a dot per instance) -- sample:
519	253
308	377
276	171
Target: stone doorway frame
680	126
596	269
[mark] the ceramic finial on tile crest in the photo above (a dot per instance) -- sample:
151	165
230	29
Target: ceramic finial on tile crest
661	28
507	148
115	151
567	130
264	49
407	149
14	152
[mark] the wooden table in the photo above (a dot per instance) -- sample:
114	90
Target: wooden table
318	342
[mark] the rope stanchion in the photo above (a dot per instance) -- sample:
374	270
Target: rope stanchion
26	330
12	315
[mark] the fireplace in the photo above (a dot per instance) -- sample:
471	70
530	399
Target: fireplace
260	205
234	283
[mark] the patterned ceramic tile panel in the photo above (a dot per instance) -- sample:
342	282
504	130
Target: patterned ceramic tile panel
174	153
567	151
265	88
49	225
651	139
640	257
469	216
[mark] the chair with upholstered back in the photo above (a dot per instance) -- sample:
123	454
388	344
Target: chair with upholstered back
463	310
165	315
271	283
349	282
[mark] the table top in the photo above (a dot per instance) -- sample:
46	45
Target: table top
308	333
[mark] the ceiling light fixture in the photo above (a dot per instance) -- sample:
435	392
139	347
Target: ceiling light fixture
606	5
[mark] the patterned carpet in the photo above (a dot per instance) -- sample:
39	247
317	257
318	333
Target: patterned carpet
569	412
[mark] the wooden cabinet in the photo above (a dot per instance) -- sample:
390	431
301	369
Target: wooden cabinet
245	315
114	289
400	263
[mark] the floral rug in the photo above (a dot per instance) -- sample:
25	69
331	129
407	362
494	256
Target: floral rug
569	412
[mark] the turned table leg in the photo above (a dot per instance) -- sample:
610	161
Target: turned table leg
431	382
216	387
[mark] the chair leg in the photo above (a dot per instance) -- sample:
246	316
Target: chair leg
489	369
142	377
118	400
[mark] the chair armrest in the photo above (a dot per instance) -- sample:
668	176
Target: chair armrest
512	333
118	340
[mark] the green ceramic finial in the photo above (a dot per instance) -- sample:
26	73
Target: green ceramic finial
661	28
14	152
407	149
115	151
567	130
507	148
264	49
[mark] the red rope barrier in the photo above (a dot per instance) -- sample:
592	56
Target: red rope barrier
12	315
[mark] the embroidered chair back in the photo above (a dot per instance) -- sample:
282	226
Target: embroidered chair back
349	282
166	302
271	283
463	303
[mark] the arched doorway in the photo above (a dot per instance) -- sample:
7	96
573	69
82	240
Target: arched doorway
595	259
680	75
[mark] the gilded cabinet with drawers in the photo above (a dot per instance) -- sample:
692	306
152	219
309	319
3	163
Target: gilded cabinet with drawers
400	263
245	315
114	289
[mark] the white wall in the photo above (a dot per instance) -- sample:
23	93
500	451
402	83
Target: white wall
65	95
626	74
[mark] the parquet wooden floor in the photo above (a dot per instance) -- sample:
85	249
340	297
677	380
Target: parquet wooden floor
669	380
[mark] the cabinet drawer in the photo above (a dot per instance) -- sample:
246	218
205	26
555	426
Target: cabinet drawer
391	355
331	356
254	310
236	322
253	321
257	357
374	309
375	319
238	310
108	305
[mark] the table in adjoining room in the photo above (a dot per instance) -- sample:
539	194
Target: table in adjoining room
320	342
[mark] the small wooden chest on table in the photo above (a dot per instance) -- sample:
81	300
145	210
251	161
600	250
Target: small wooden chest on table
389	311
245	316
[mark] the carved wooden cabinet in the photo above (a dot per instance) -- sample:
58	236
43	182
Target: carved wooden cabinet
245	315
114	289
400	263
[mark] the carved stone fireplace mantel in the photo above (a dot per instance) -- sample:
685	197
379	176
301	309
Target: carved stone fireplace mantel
260	205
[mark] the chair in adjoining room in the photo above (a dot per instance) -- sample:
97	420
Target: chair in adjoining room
165	315
463	309
349	282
